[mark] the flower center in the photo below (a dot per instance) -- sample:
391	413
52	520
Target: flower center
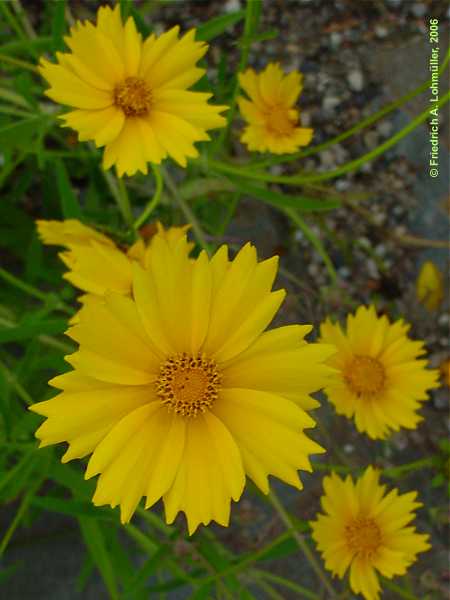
133	96
363	536
281	121
365	376
188	384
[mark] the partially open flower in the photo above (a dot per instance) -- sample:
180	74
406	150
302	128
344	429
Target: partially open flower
367	530
178	392
130	95
381	381
273	122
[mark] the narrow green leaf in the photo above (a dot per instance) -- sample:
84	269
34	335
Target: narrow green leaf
73	508
20	133
281	200
69	202
214	27
24	331
58	23
95	542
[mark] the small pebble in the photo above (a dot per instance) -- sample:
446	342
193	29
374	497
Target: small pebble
232	6
355	80
329	103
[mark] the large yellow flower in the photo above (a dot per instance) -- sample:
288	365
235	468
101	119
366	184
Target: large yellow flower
273	122
381	381
131	95
179	393
366	529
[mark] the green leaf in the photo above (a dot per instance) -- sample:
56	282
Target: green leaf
20	133
73	508
24	331
69	202
214	27
94	539
283	200
58	23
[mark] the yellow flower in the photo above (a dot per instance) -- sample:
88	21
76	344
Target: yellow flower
429	286
273	122
381	382
131	95
366	529
96	265
179	393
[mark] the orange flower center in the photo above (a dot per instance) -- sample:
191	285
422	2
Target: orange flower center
133	96
188	385
363	536
365	376
281	121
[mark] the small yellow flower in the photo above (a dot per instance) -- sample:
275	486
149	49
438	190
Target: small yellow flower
429	286
130	95
273	122
381	382
178	392
366	529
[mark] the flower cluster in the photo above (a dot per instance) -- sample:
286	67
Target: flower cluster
178	390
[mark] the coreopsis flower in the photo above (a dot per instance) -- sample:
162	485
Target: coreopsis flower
381	382
273	122
131	95
367	530
96	264
429	286
178	392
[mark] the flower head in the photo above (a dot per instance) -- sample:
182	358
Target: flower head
367	530
429	286
130	95
381	382
273	122
177	391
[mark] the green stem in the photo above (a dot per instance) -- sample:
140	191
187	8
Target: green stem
416	465
186	210
302	544
120	195
350	166
12	380
370	120
154	201
16	62
315	241
35	293
282	581
401	593
250	25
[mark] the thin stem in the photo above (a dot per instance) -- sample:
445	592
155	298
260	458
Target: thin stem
416	465
120	195
353	165
32	291
370	120
315	241
16	62
14	383
154	200
305	593
186	210
301	541
398	590
250	25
